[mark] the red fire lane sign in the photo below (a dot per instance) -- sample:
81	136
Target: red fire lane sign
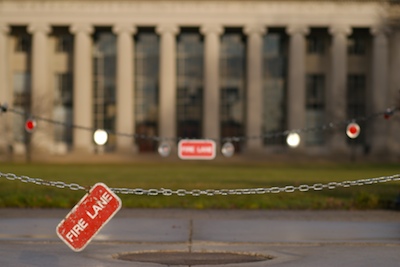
196	149
88	216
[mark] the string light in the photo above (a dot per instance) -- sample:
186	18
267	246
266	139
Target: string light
353	130
3	108
164	149
30	125
100	137
293	140
331	125
228	149
388	113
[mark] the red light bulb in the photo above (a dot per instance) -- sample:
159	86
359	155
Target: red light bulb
353	130
30	125
388	113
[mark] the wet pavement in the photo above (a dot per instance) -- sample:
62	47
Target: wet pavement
284	238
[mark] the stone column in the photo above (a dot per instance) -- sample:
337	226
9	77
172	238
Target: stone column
211	121
4	92
254	86
4	86
83	86
42	101
380	89
337	104
394	98
125	86
296	106
167	115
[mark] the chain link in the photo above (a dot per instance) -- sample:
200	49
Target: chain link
209	192
38	181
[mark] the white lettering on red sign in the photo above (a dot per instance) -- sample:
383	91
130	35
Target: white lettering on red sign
196	149
87	218
79	227
100	205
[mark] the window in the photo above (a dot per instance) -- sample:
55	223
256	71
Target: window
23	43
146	87
22	103
232	64
274	85
359	41
64	43
315	91
315	107
357	45
22	82
63	133
63	88
356	95
22	88
190	85
315	44
62	109
104	57
356	101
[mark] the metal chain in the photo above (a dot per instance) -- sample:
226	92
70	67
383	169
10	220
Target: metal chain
38	181
210	192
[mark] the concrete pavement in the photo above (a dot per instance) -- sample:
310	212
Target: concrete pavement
289	238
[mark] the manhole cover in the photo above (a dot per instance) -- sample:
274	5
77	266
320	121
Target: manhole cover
192	258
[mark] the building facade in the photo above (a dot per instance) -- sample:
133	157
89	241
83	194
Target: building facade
246	71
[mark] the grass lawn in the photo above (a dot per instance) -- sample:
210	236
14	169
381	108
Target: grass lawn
205	175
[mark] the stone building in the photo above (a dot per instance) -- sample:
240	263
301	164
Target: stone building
199	69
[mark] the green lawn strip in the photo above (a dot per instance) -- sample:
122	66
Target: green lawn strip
204	175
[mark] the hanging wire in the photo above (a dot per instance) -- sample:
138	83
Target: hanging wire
387	113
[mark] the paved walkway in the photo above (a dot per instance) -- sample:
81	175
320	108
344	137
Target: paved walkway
290	238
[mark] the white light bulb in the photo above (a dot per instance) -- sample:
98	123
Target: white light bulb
228	149
164	149
100	137
293	140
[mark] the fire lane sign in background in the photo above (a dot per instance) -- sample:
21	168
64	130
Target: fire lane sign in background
88	216
196	149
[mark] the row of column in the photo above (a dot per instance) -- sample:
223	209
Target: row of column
83	86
